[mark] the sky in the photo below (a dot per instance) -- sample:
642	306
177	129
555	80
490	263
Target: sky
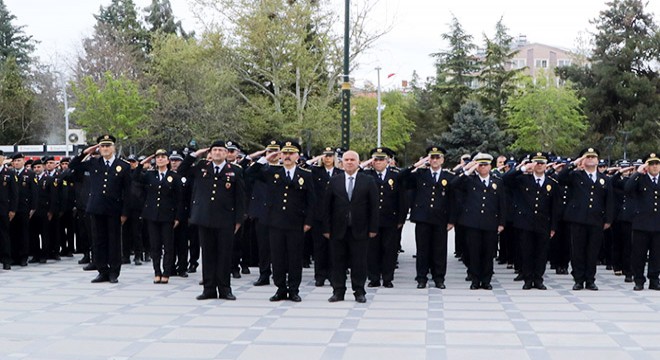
416	27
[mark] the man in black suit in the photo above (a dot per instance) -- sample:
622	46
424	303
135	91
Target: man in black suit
590	211
392	212
8	206
27	205
109	181
351	208
644	185
218	210
483	217
40	224
291	202
535	216
322	175
431	211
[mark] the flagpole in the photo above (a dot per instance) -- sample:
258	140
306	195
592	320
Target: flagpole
380	109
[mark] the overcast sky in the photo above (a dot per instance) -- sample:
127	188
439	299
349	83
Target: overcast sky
59	25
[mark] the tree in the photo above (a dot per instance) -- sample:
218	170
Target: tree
121	19
473	130
160	18
544	117
117	107
14	43
396	127
17	115
497	82
622	84
425	111
455	68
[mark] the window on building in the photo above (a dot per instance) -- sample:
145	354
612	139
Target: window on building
563	62
518	63
541	63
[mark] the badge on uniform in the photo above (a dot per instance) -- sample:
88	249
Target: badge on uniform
228	185
548	187
55	183
444	182
118	168
36	181
494	186
64	183
602	181
276	176
183	180
391	182
169	179
301	181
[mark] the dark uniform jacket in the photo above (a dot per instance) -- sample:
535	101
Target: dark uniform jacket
483	207
290	203
392	209
589	203
8	191
163	197
108	187
431	201
66	191
360	213
647	201
624	208
536	208
218	201
321	180
27	191
47	194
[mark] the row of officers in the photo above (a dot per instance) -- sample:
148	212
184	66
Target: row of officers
538	210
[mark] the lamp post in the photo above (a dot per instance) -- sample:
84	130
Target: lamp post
380	110
625	143
346	86
67	111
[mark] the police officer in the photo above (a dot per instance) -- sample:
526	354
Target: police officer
590	211
27	205
625	209
67	202
483	216
644	184
107	206
431	211
161	211
239	263
8	206
291	202
54	185
182	231
40	232
218	210
322	174
392	212
535	216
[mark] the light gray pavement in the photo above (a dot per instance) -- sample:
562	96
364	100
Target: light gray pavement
52	311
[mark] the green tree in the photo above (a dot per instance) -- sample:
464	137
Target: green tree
117	107
497	81
396	127
160	18
544	117
17	115
425	111
13	41
473	130
622	84
455	70
121	22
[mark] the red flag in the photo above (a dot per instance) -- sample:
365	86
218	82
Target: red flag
390	75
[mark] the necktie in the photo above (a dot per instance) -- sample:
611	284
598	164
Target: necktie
162	176
107	164
217	170
350	188
380	176
655	180
435	177
329	173
485	183
288	175
538	182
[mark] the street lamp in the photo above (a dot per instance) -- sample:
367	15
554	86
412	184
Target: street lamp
346	86
380	110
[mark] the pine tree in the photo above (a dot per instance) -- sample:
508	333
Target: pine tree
120	22
13	41
160	18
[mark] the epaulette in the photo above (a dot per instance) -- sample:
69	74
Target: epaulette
305	169
393	169
124	160
451	172
553	179
237	165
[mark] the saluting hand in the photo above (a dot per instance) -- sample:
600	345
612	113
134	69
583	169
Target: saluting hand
272	156
90	149
147	159
176	223
201	152
500	228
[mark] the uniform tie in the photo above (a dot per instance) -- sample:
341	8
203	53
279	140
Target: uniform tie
217	170
538	182
380	176
485	183
288	175
329	173
435	177
162	175
350	188
592	177
107	164
655	180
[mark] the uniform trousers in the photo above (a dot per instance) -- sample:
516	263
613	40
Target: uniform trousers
106	242
621	247
263	246
586	241
286	253
161	236
217	245
534	254
321	252
5	242
481	246
644	242
382	254
431	242
180	248
19	229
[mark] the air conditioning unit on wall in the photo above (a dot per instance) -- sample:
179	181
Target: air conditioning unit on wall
76	136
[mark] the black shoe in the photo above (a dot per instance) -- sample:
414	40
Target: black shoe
113	279
540	286
262	281
89	267
360	298
654	285
474	286
421	284
468	278
487	286
591	286
628	279
147	258
295	297
182	274
440	284
236	274
373	284
42	261
100	278
23	263
34	260
578	286
192	268
336	297
228	296
201	282
527	285
206	296
388	284
319	283
67	254
278	297
6	267
520	277
638	287
245	270
137	261
84	260
56	257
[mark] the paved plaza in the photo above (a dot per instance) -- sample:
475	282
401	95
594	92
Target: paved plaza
52	311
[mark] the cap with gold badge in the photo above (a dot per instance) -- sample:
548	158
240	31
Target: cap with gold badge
273	145
483	158
291	147
435	150
381	153
106	140
651	159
